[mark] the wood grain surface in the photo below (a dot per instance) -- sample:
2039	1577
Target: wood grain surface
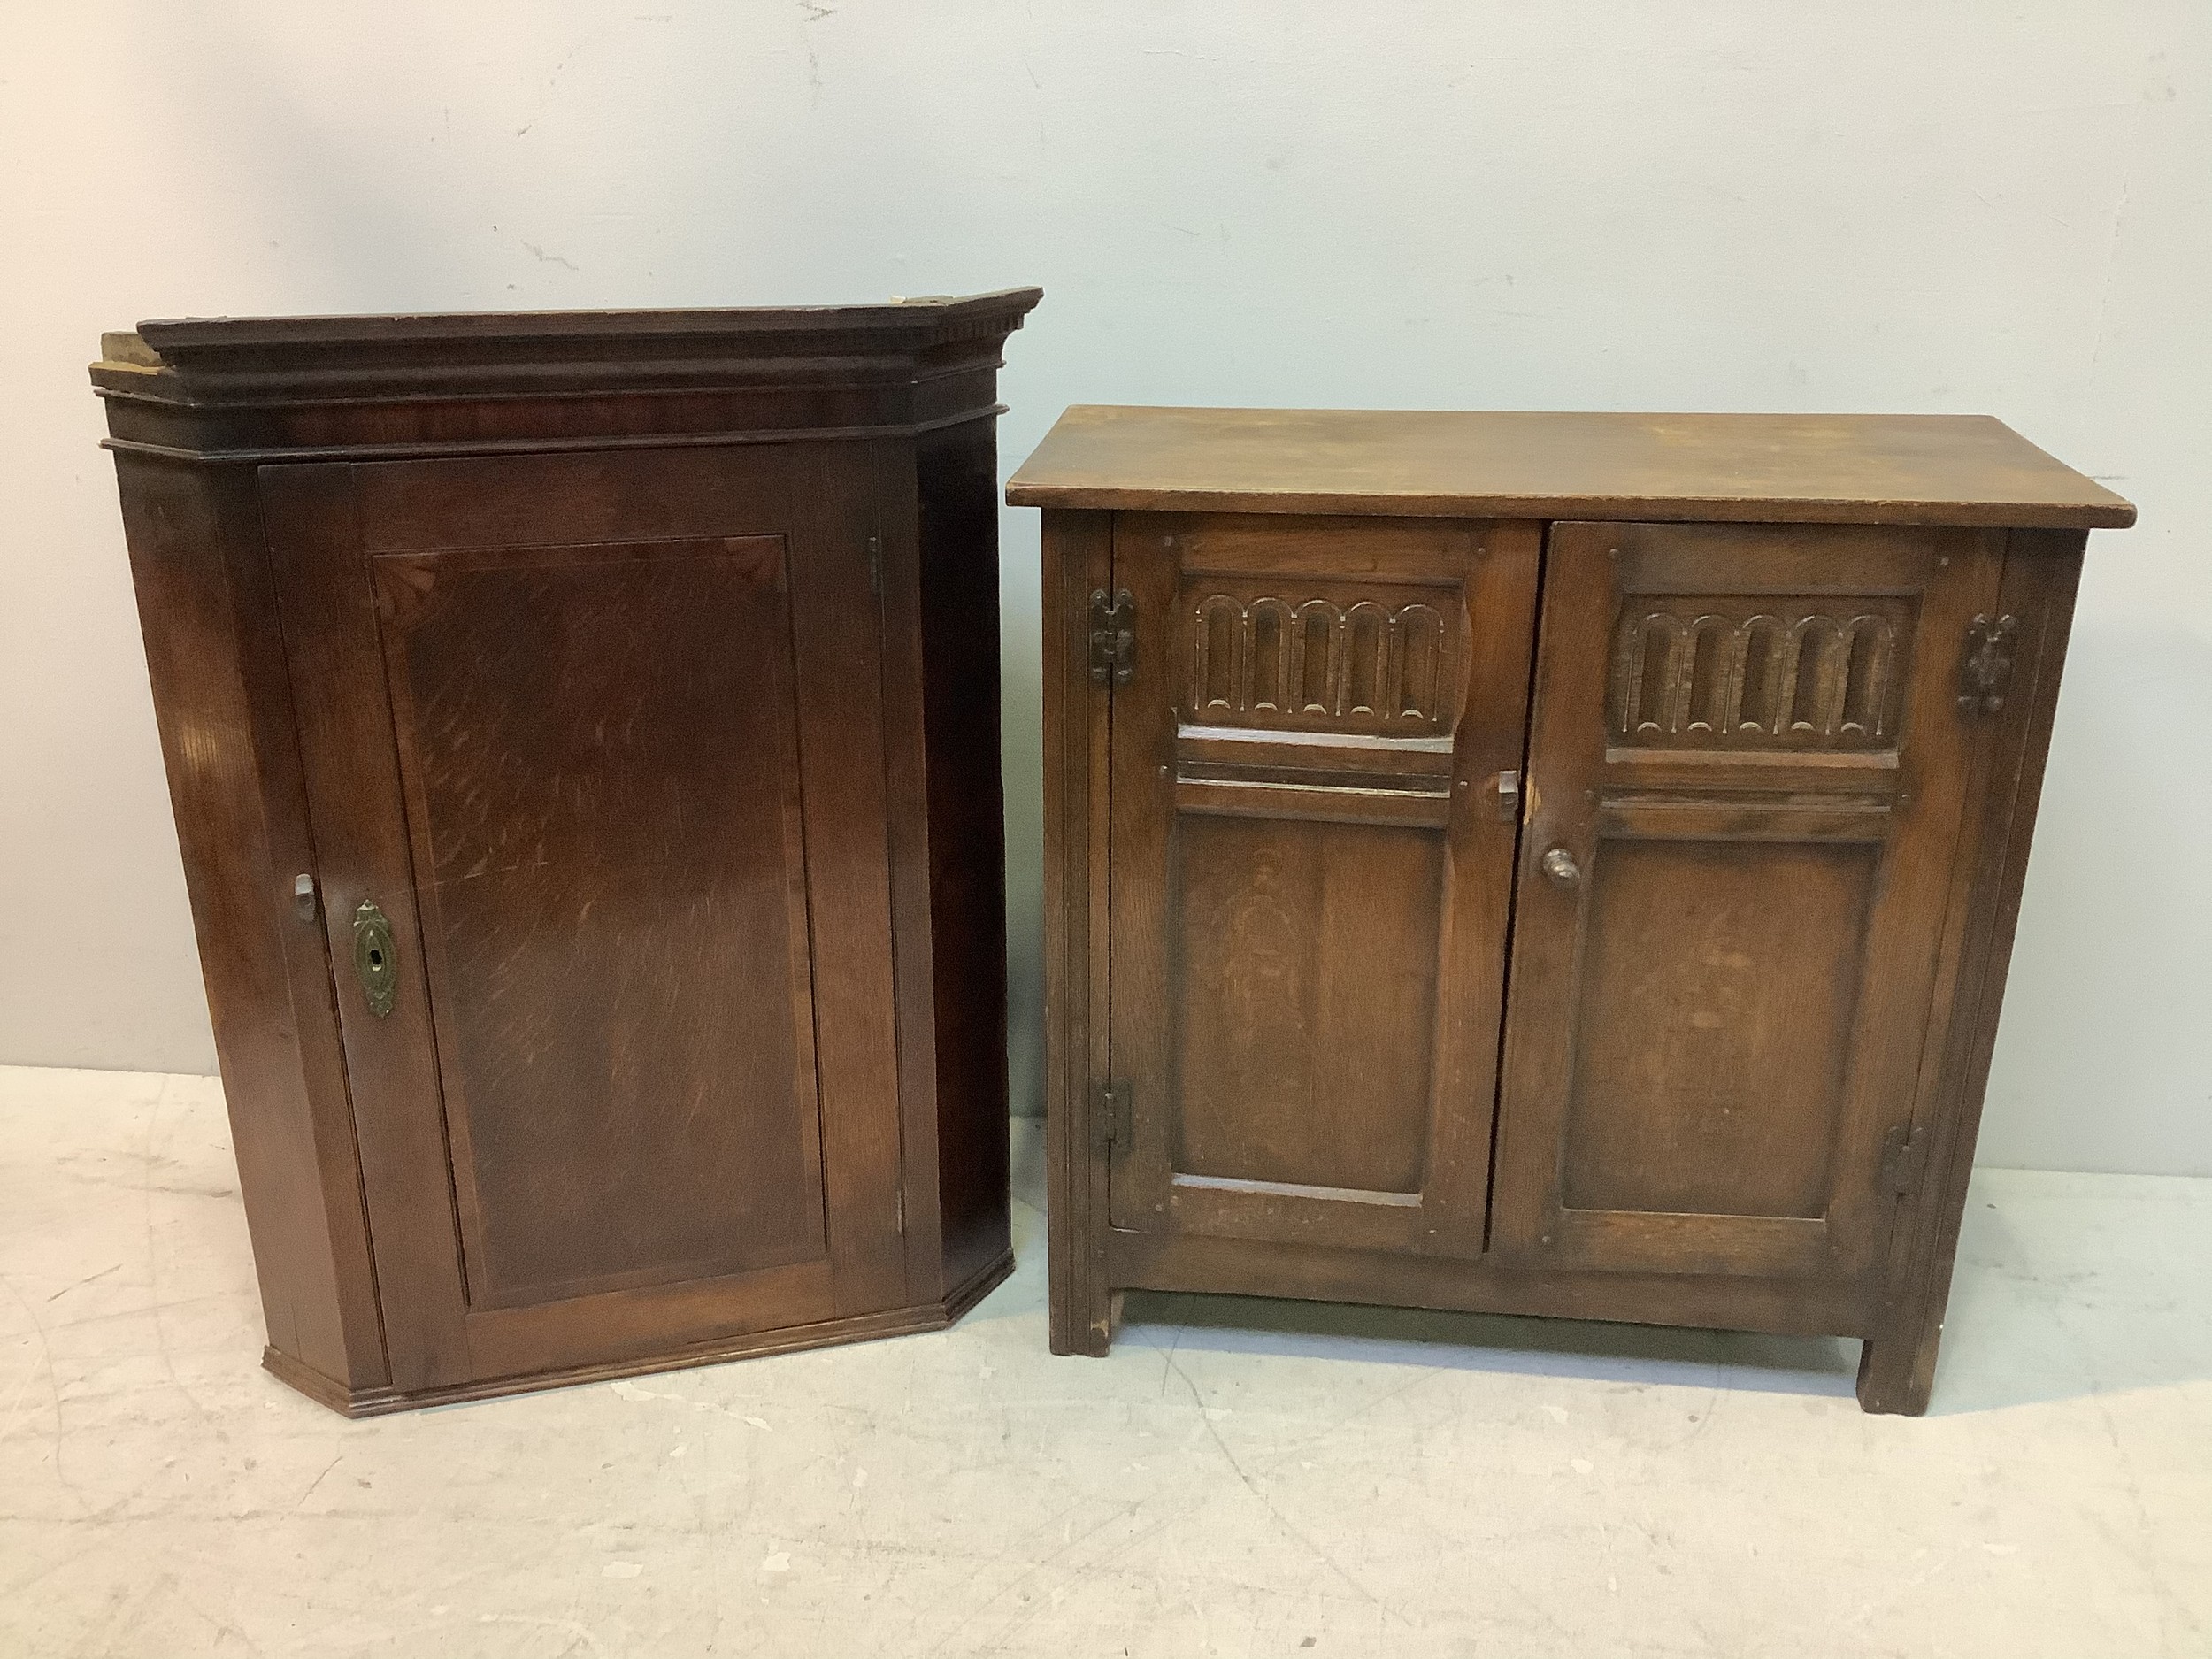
1862	469
1777	756
641	671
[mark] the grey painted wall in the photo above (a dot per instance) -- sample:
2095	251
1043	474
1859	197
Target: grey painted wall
1591	204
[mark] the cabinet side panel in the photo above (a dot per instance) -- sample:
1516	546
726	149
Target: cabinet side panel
957	499
906	779
1077	557
214	655
1897	1369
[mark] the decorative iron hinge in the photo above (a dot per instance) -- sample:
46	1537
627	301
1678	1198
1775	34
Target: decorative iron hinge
1113	637
1986	668
1109	1115
1901	1150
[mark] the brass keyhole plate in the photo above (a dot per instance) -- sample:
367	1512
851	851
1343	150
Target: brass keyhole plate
375	962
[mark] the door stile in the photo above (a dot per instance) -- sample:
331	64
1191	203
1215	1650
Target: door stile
1140	880
327	603
1482	835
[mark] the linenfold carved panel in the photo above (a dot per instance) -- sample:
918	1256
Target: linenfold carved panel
1364	664
1763	674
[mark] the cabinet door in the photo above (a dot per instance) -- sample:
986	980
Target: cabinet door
1311	869
1746	764
594	757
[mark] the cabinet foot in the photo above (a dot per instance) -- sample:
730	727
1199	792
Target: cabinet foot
1083	1318
1089	1338
1897	1371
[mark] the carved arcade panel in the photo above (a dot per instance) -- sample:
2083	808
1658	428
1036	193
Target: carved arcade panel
1379	663
1762	672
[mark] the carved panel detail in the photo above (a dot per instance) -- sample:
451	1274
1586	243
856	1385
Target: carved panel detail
1366	665
1784	677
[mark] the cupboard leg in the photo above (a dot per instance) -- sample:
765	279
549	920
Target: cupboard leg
1080	1320
1083	1313
1897	1368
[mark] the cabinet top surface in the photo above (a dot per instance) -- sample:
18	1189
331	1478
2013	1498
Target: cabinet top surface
1855	469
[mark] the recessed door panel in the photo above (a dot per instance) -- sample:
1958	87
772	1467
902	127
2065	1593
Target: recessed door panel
627	1078
1312	862
1712	1026
1747	764
612	874
1303	1038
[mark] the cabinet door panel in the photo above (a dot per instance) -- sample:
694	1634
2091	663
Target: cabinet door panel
1713	1026
1311	875
1310	948
1747	766
610	872
604	792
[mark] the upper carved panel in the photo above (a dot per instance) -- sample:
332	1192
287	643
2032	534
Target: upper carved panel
1349	664
1763	674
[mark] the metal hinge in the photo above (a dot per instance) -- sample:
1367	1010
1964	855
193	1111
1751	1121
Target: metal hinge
1901	1150
875	566
1986	669
1109	1115
1113	637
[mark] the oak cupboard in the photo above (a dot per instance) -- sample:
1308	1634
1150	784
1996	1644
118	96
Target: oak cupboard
1537	862
583	735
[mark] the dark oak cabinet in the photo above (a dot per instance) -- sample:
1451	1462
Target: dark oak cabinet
1538	863
583	731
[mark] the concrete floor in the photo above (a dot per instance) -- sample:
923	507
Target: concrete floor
1240	1478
